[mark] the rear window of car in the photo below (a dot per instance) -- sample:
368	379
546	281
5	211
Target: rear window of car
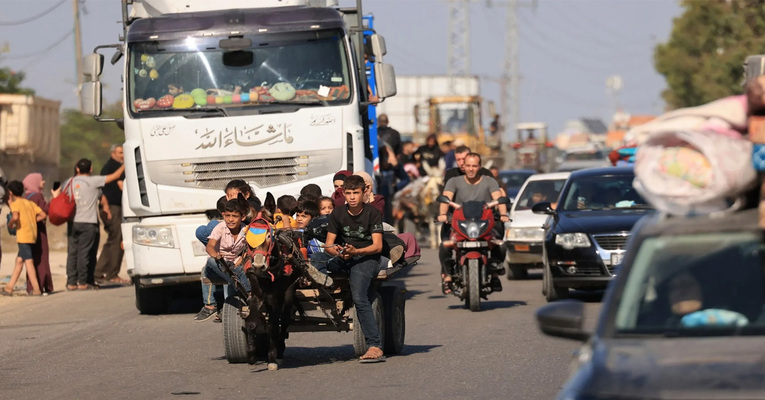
537	192
702	284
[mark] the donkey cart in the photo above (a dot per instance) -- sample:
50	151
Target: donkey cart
313	308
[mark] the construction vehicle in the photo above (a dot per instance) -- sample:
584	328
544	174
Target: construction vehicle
531	149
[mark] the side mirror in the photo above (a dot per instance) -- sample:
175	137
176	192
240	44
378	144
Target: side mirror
385	79
442	199
563	319
543	208
92	66
378	47
90	98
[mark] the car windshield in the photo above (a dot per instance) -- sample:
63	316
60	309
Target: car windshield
702	284
195	75
593	155
604	192
514	179
537	192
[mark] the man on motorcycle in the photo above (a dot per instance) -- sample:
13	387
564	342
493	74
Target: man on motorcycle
470	187
459	158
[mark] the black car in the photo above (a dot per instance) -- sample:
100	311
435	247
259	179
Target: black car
684	318
588	228
514	179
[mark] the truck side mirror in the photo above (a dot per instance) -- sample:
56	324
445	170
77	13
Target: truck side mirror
90	98
385	79
92	66
378	47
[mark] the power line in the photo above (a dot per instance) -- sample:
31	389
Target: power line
32	18
27	55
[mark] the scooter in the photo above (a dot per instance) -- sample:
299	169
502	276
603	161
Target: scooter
472	240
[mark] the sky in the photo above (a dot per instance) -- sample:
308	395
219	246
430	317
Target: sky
567	49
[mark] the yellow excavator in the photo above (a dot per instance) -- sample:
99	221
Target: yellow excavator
458	118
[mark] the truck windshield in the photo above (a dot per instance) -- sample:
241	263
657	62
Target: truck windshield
195	75
455	118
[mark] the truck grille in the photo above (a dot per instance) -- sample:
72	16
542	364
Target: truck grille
263	172
612	241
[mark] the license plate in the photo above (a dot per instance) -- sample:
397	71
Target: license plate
617	258
521	247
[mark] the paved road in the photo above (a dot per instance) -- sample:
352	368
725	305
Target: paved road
95	345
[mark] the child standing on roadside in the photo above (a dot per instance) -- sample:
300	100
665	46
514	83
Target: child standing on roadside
26	214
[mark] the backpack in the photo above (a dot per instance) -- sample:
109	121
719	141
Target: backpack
62	208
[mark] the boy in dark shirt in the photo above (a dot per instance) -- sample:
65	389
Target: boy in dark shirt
359	227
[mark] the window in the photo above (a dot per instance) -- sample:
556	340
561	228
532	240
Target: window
539	191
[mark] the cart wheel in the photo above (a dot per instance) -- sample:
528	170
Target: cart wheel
394	300
359	341
234	335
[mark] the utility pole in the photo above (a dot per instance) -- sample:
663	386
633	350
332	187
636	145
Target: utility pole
459	40
77	44
511	94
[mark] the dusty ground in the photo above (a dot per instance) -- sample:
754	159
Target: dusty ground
57	244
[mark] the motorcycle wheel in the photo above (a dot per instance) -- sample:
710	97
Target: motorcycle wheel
473	295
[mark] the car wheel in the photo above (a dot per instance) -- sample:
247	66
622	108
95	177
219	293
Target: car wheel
553	292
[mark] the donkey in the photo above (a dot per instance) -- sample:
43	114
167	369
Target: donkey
273	283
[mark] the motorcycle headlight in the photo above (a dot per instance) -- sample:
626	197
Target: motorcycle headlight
570	240
157	236
530	234
473	229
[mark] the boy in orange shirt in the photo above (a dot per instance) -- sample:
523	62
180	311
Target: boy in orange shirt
26	214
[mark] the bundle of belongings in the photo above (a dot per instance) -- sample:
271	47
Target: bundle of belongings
699	160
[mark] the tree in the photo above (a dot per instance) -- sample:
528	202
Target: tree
10	82
702	61
84	137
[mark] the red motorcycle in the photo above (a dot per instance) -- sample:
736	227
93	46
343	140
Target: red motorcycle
472	241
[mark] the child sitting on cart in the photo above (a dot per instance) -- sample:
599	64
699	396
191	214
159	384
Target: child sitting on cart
359	227
227	241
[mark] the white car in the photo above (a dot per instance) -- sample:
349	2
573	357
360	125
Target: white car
524	235
581	158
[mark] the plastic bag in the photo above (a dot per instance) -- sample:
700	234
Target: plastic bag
685	172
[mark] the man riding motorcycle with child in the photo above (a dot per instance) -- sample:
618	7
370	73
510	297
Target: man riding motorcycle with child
471	186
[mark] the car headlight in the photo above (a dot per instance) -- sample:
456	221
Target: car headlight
157	236
570	240
530	234
473	229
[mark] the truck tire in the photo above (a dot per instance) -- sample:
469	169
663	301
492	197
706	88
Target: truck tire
152	300
394	301
473	275
234	335
516	272
359	341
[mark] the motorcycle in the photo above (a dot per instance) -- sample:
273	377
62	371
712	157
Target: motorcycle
472	241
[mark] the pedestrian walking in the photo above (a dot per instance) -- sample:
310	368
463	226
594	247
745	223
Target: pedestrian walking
110	259
24	215
83	231
33	191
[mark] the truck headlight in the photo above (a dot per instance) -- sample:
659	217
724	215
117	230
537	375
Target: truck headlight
157	236
570	240
530	234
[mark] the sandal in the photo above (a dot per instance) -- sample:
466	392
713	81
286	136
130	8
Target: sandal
7	293
373	355
446	287
71	287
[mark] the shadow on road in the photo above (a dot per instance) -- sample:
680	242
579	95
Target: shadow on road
296	357
491	305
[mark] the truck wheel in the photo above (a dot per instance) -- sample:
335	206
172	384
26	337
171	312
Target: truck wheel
234	334
473	274
516	272
152	300
359	341
394	301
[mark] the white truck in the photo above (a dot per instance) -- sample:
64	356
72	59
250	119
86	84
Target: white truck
270	91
